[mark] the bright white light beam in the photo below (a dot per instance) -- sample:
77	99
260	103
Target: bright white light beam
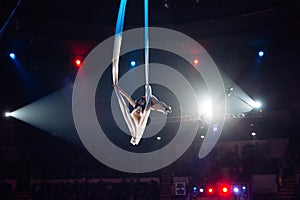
256	104
7	114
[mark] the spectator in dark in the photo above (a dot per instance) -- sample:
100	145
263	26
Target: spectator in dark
6	191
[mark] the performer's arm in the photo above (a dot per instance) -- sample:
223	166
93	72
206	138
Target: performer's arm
129	99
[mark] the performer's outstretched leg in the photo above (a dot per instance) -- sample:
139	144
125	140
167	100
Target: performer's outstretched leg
159	106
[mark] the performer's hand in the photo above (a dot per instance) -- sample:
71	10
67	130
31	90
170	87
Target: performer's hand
116	86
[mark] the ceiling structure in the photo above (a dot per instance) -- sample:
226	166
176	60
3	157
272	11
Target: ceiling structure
47	35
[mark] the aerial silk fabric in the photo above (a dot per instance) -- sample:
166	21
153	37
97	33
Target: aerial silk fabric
135	129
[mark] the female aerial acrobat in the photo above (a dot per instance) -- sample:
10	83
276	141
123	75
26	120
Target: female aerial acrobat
136	120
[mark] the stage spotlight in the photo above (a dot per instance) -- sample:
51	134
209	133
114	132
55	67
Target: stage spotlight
196	61
194	188
206	108
256	104
215	128
225	189
133	63
236	189
210	190
7	114
158	138
202	136
201	190
77	62
12	56
253	134
244	187
261	53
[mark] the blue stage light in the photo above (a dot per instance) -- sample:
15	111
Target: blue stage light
12	56
261	53
133	63
194	188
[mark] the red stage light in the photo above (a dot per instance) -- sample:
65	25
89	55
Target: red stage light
225	189
77	62
210	190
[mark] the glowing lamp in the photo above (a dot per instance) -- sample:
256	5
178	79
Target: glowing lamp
215	128
261	53
224	189
256	105
77	62
12	56
236	190
196	61
133	63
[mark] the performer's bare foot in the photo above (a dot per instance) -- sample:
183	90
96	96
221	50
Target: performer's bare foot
133	141
169	110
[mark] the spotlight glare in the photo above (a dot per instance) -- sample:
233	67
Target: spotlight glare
261	53
235	189
206	108
215	128
194	188
196	61
12	56
7	114
77	62
256	104
133	63
202	136
158	138
253	134
225	189
201	190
